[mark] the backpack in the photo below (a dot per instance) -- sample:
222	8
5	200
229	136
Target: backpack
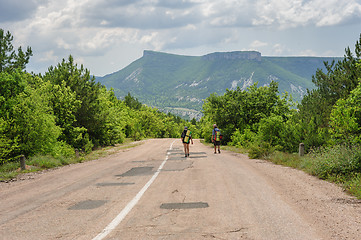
217	136
187	135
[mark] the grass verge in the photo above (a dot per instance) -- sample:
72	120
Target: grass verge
337	164
11	170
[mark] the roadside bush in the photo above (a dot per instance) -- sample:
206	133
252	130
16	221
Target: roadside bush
9	167
45	161
286	159
29	119
270	128
261	150
206	129
244	139
335	162
5	175
7	148
345	119
353	185
281	133
62	149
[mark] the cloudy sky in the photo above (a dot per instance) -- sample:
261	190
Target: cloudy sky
107	35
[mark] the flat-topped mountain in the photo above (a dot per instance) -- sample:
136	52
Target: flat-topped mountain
179	84
245	55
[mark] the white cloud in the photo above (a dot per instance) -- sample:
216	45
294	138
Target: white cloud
149	38
257	44
62	44
190	27
294	13
48	56
278	49
95	28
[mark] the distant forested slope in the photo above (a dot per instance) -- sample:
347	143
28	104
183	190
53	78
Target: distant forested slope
179	84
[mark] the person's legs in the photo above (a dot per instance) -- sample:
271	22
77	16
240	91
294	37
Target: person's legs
217	143
185	149
188	149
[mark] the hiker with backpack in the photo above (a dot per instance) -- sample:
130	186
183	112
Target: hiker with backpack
186	137
216	138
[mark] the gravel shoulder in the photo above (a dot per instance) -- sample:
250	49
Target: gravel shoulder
324	205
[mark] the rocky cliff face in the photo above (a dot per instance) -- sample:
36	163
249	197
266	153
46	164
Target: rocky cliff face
183	112
246	55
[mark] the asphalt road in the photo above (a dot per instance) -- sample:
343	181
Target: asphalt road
152	191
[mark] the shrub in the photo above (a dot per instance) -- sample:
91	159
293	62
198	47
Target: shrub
261	150
353	185
345	119
334	162
244	139
287	159
44	161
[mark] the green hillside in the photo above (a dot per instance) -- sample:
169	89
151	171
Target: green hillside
180	83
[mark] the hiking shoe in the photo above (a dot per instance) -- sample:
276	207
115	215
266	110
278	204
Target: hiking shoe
219	151
186	155
215	152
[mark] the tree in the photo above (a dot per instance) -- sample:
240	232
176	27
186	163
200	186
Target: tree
340	79
87	92
9	60
336	83
113	116
132	102
238	109
345	119
65	105
26	120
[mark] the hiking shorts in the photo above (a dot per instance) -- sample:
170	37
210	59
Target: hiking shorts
217	143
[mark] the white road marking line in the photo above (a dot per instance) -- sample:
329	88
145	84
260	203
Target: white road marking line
118	219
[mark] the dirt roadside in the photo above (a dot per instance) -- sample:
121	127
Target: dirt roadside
325	205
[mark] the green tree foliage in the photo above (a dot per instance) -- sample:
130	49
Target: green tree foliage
238	109
34	122
27	121
10	87
113	116
40	116
66	109
65	104
149	122
258	119
337	83
9	59
284	135
86	92
132	102
345	119
8	147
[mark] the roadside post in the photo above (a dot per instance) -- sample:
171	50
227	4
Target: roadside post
22	162
76	153
301	149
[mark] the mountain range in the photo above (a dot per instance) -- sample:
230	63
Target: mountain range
179	84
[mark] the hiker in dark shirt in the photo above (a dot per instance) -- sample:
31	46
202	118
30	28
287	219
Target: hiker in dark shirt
216	138
186	137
